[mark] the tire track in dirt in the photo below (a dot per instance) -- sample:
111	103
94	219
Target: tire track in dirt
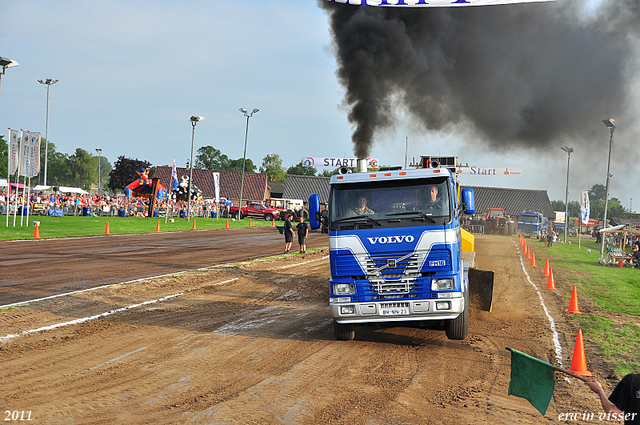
260	349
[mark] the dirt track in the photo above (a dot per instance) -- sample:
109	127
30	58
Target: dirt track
254	344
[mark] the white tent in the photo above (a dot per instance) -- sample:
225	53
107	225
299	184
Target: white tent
4	183
66	189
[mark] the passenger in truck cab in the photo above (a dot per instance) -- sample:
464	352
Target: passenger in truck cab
360	208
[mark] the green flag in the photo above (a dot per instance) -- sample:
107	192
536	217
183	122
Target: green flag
532	379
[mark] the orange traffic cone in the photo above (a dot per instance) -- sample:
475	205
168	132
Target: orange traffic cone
226	226
526	251
250	225
158	226
521	240
273	223
106	229
573	304
579	362
551	283
533	259
546	268
36	231
194	225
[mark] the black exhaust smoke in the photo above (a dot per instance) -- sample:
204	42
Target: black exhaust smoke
522	75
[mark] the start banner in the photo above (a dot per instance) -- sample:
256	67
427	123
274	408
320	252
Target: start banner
490	171
433	3
312	161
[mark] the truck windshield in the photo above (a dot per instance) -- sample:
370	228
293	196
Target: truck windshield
528	218
390	203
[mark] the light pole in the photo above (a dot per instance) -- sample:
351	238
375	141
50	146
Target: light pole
48	82
194	120
244	156
566	199
99	157
6	63
611	125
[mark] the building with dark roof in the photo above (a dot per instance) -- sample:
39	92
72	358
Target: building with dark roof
276	189
300	187
513	201
255	184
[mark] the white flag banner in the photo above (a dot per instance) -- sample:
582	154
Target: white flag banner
433	3
13	153
35	154
216	185
584	207
25	154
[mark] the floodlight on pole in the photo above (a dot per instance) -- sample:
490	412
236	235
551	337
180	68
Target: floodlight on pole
244	156
6	63
99	151
566	199
194	120
611	125
48	82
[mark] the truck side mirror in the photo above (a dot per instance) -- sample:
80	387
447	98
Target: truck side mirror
468	201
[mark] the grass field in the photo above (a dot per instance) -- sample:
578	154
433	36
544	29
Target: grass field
613	294
56	227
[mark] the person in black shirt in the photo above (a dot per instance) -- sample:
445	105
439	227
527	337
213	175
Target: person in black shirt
288	234
624	398
635	256
303	231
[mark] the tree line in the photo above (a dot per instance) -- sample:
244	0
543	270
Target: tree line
597	195
79	169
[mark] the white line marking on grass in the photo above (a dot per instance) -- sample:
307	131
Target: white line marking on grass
299	264
552	323
99	316
86	319
118	358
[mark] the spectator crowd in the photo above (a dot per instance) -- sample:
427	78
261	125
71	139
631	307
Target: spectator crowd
84	204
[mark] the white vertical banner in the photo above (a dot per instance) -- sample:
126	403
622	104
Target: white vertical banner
13	152
25	154
35	154
584	207
216	185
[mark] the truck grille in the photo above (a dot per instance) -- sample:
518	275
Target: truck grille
392	277
389	266
394	305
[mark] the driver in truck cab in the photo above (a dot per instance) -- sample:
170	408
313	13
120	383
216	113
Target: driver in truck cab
431	202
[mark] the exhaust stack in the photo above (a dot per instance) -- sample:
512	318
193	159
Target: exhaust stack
362	165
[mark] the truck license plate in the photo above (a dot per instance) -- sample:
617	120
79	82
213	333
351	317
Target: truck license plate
396	311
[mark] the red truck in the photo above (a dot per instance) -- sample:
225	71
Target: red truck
254	209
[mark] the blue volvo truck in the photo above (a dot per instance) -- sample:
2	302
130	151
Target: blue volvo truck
396	249
531	223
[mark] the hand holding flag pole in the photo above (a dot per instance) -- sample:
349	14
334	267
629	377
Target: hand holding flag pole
533	380
559	369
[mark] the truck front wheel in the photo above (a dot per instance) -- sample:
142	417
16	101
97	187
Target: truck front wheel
459	327
268	217
344	332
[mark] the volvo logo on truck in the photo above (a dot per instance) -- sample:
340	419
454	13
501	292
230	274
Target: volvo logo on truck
390	239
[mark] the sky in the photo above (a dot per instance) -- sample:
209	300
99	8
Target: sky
132	72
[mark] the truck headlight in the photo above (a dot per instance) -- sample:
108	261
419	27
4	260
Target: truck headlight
442	284
344	289
349	309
